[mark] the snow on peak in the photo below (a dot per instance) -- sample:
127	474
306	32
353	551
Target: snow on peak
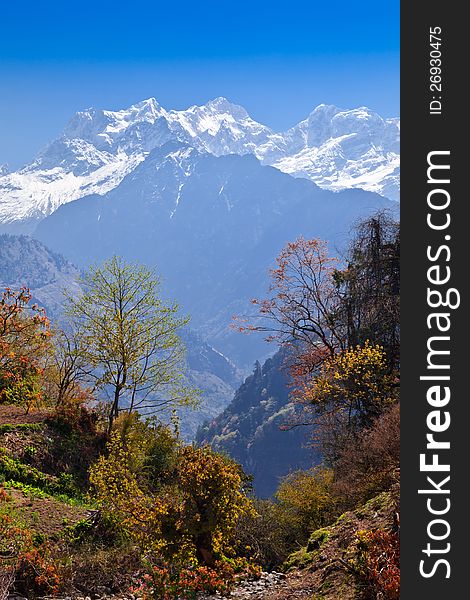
223	105
149	104
325	109
105	128
333	147
146	111
85	124
210	117
327	121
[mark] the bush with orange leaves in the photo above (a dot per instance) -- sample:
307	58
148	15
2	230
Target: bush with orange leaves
29	563
379	563
37	573
24	345
166	583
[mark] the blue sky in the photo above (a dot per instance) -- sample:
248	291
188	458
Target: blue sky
279	60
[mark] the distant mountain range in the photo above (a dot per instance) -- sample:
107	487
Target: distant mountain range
211	226
335	148
191	193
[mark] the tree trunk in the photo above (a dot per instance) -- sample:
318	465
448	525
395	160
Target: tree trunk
204	549
114	412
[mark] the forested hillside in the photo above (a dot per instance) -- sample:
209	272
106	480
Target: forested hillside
258	428
25	261
101	496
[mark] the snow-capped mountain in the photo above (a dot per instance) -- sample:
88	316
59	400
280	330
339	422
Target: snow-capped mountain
98	148
345	149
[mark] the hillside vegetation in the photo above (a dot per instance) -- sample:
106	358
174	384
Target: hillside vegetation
255	429
99	496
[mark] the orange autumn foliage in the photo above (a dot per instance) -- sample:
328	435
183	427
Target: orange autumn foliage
24	343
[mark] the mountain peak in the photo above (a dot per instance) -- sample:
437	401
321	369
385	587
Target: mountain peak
148	102
327	121
325	108
360	112
332	109
333	147
86	124
221	104
148	108
326	111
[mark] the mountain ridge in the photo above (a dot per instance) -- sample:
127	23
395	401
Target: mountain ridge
256	428
97	149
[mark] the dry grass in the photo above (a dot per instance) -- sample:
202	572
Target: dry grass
7	578
15	415
44	515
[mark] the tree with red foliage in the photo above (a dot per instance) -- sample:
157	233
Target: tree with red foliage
318	310
303	304
24	345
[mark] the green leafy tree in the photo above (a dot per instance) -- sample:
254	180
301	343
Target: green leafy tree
306	501
129	339
213	499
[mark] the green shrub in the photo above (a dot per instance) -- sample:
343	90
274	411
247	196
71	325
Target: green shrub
13	470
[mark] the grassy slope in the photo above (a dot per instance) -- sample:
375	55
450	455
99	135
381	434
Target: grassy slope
326	569
26	440
35	454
